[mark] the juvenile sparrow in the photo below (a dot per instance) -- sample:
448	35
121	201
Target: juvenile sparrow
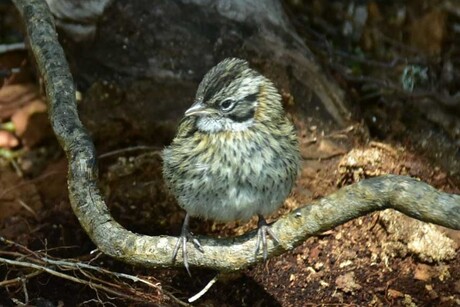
235	154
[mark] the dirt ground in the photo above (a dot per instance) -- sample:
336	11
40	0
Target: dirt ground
382	259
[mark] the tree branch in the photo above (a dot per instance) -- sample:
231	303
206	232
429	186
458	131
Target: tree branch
412	197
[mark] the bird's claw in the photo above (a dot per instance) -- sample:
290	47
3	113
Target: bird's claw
196	243
185	236
262	232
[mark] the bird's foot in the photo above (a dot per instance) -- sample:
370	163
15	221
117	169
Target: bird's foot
185	236
263	230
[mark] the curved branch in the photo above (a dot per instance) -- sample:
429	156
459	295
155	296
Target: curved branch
412	197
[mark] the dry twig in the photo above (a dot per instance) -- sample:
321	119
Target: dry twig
40	263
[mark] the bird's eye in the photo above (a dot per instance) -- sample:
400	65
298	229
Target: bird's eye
227	105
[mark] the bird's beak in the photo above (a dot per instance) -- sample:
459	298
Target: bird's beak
198	109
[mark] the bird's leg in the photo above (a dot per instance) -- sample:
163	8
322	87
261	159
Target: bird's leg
186	235
263	230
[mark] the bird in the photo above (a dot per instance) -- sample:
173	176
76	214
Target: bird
235	154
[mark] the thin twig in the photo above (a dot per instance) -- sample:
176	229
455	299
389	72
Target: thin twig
9	282
24	288
39	178
68	277
128	149
204	290
28	208
75	265
79	265
37	259
4	48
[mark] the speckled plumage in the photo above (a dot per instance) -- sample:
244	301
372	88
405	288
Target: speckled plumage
236	153
233	175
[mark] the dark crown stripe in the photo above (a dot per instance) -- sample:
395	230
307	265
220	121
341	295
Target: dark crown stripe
216	85
222	75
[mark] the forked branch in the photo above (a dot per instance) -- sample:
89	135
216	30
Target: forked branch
412	197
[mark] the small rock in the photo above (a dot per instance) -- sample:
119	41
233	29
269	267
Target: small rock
423	272
392	293
347	283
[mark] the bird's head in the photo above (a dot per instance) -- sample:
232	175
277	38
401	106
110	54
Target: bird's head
232	97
